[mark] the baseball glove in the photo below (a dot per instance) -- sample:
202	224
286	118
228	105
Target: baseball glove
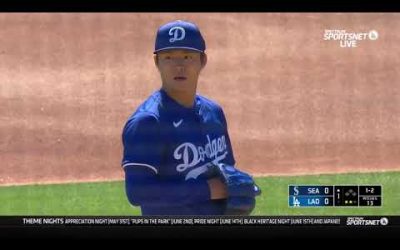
241	189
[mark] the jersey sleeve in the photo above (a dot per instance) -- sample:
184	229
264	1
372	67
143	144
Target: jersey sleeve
142	159
142	144
230	159
144	188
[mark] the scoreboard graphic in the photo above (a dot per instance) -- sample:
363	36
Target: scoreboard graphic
329	196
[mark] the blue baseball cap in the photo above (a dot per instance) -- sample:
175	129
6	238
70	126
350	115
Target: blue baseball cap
179	35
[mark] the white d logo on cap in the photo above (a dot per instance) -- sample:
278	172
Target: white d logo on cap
178	33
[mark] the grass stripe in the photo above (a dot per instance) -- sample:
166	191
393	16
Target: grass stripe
108	198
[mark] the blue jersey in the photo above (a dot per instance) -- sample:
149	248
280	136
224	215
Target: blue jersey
167	148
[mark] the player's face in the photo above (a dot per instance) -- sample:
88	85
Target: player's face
180	69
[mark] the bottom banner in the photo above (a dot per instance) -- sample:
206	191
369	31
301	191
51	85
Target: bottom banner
188	227
71	221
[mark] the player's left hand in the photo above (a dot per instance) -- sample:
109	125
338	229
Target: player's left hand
241	188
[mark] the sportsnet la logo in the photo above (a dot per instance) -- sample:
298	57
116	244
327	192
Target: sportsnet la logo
349	39
360	221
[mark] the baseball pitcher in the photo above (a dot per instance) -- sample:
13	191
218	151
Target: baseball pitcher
178	157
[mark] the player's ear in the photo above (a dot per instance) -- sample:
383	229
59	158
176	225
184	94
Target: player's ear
203	58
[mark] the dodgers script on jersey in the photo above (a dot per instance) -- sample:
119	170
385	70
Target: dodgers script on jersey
167	148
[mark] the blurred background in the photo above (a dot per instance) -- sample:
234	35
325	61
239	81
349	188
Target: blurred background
295	103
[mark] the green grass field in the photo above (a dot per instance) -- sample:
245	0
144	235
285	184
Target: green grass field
108	198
